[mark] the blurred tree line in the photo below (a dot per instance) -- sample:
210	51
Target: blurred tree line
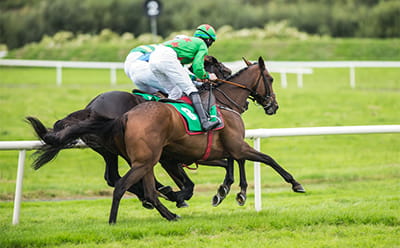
24	21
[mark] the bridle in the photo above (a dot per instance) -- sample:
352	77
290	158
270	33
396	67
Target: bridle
254	95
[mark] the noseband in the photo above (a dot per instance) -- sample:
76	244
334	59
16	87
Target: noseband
255	97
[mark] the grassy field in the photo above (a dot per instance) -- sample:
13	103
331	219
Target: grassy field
352	181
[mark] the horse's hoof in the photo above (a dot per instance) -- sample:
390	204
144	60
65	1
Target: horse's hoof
223	191
175	218
298	189
147	204
216	200
182	204
241	199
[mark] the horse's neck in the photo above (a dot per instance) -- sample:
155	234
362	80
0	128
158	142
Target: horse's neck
233	96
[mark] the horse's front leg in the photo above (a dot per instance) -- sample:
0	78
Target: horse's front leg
225	187
249	153
242	195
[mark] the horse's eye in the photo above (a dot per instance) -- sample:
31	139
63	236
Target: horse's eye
271	79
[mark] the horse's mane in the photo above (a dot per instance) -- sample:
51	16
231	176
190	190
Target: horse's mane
240	71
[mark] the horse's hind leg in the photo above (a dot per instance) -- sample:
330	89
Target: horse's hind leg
152	196
121	186
242	195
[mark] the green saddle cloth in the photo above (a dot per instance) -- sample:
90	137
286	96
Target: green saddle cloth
187	111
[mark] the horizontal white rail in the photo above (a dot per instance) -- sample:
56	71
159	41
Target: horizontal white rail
282	67
301	131
256	134
29	145
336	64
274	66
299	70
55	63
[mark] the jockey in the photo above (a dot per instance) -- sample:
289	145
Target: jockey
168	58
138	70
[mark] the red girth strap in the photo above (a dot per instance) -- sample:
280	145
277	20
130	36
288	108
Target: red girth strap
207	152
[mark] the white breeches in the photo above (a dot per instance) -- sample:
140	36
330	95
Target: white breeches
140	74
170	73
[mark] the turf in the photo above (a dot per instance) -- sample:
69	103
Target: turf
352	181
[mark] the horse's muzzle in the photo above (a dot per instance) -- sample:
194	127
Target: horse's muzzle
271	110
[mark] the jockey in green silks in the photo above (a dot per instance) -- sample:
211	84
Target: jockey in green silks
167	60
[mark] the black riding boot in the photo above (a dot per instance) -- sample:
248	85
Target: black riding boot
198	106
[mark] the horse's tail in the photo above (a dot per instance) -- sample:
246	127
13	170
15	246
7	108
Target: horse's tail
38	126
47	152
95	125
100	127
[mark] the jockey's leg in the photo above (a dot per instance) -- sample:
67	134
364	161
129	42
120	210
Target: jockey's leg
206	124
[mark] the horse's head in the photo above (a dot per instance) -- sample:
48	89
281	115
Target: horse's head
263	92
211	64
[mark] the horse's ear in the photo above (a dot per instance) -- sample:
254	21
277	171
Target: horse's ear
210	59
261	63
248	63
213	59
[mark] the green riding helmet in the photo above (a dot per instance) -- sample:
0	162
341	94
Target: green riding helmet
205	31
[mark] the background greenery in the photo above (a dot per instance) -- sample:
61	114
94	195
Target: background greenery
275	41
25	21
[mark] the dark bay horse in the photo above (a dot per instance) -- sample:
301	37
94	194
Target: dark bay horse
112	105
153	130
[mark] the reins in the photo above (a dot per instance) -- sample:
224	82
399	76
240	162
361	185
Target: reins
253	93
232	83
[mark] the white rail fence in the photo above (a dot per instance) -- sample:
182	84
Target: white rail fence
113	66
352	65
255	134
283	67
303	66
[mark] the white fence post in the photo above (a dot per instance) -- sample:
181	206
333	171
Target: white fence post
283	80
299	80
352	77
257	179
59	74
18	187
113	75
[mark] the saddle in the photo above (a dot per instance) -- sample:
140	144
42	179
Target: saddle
184	107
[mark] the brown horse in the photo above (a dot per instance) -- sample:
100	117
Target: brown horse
153	130
112	105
